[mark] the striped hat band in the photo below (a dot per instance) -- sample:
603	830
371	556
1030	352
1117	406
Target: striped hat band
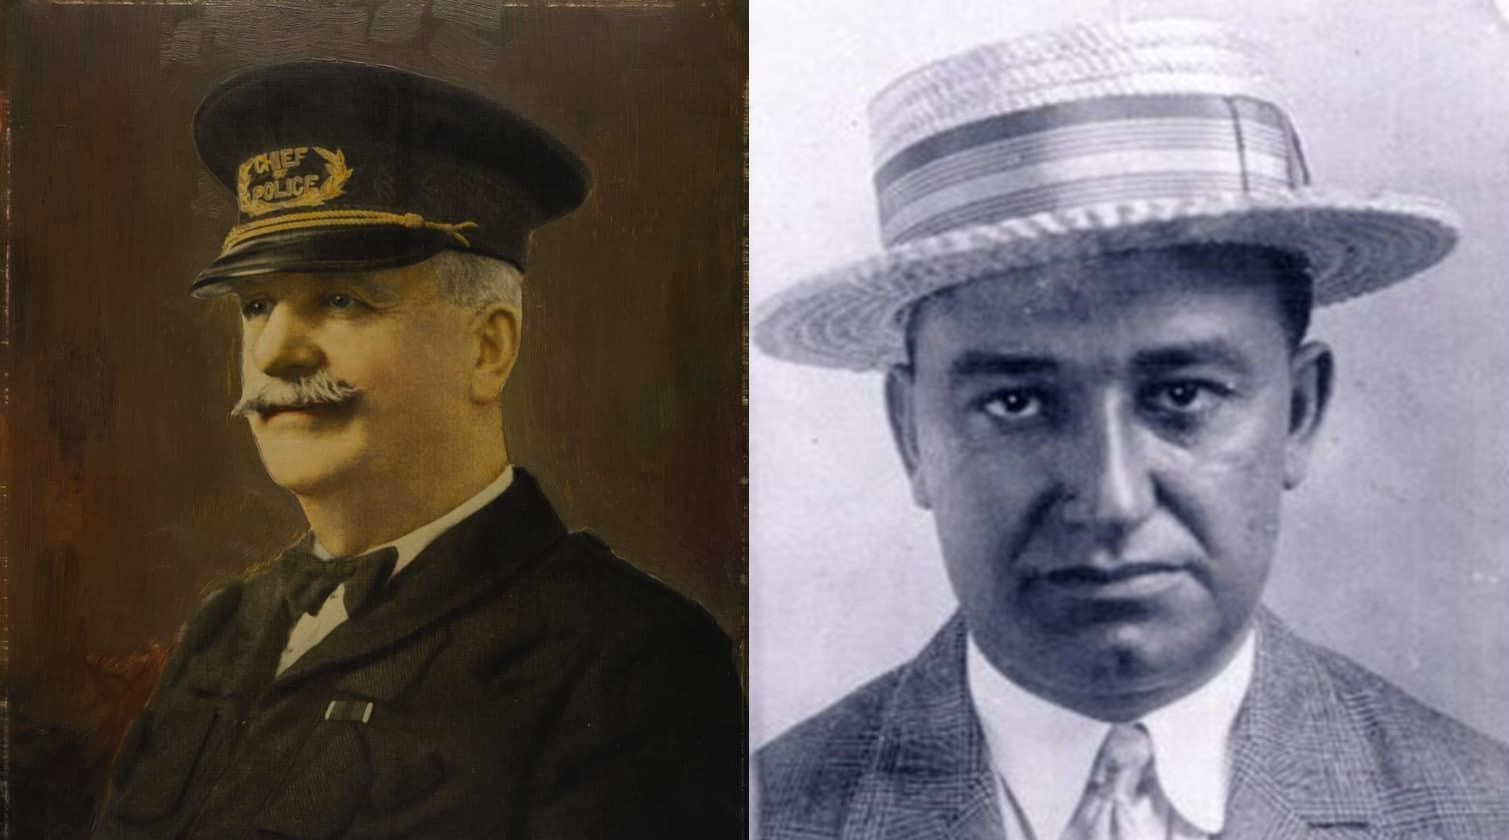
1086	152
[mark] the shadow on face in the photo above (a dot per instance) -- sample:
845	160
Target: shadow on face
1103	445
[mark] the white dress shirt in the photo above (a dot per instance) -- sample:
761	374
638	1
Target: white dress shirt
1042	754
310	630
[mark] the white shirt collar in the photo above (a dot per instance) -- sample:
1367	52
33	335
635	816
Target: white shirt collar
409	545
1044	752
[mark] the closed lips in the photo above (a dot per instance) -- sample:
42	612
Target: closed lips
1091	575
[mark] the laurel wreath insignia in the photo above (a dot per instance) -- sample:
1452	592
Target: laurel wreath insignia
336	176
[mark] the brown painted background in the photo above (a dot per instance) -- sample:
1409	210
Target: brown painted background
129	490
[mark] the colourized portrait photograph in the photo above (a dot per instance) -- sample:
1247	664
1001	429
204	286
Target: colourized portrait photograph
1126	420
374	416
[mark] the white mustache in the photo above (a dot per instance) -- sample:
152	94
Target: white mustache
318	388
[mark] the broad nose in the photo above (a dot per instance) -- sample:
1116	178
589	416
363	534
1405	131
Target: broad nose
285	346
1108	480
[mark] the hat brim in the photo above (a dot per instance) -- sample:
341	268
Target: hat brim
322	250
854	317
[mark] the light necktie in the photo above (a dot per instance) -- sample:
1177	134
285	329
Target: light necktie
1122	800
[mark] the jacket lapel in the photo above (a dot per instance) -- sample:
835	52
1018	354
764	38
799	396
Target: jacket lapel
930	778
465	564
1301	766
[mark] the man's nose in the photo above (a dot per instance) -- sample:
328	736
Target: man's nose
1107	478
285	346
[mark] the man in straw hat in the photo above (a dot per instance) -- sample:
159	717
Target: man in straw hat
1102	253
439	657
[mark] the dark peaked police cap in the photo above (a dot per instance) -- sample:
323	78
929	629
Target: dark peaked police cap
338	166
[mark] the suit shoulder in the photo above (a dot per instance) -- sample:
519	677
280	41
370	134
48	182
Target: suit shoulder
214	612
808	774
609	593
579	602
1418	749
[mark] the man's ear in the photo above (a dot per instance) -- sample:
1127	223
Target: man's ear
899	409
1312	375
497	329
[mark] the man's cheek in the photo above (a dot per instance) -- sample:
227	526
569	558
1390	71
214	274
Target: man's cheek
1240	485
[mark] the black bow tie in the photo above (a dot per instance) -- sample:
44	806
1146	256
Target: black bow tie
305	580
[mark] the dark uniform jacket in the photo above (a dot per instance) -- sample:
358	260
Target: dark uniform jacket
1321	749
514	681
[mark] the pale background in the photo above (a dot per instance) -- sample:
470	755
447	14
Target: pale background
1394	550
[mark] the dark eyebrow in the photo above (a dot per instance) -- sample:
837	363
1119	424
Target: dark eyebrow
1209	352
977	363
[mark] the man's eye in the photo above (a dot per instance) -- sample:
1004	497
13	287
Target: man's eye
339	301
1013	405
1185	396
255	308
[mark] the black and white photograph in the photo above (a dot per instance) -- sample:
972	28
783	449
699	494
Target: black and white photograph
1127	420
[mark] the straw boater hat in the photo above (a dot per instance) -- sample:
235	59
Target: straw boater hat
1086	141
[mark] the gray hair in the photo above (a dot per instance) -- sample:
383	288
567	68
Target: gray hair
472	281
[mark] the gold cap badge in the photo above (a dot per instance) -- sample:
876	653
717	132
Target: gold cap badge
280	180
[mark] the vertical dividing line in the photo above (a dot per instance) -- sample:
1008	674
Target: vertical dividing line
744	567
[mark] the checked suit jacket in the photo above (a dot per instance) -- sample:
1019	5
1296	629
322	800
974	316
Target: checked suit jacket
513	681
1322	749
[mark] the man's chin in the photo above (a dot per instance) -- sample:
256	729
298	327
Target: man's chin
1150	655
304	468
304	479
1135	648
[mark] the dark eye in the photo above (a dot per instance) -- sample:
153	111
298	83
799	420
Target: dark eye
339	300
255	308
1184	396
1014	404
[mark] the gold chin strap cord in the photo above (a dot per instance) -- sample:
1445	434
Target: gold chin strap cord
340	218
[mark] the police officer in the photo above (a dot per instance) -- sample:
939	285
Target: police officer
438	657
